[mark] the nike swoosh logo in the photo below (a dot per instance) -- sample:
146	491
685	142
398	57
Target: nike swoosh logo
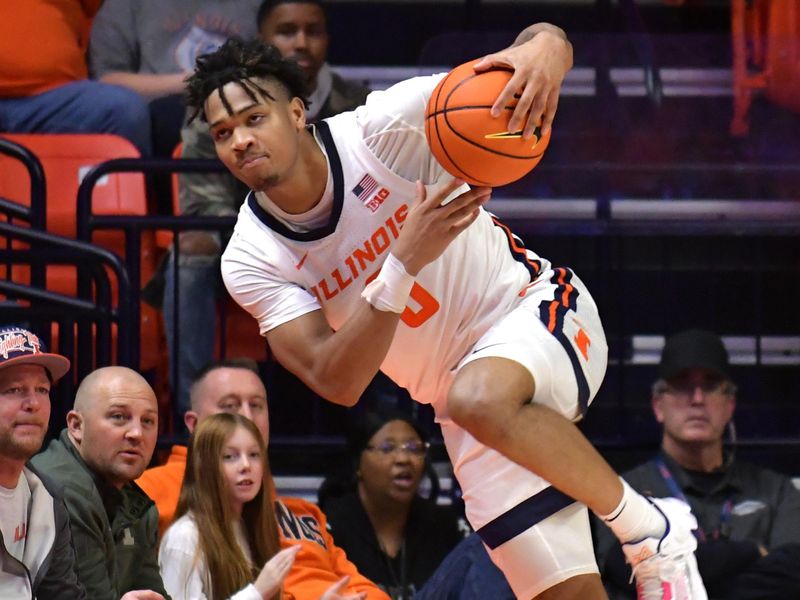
509	135
299	265
503	135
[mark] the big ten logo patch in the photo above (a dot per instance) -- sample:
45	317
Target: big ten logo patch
298	527
368	190
376	201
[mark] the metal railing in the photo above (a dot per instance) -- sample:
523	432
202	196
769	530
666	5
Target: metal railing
84	324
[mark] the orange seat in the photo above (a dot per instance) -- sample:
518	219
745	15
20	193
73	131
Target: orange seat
66	158
766	55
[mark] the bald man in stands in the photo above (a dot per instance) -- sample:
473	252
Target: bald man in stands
108	442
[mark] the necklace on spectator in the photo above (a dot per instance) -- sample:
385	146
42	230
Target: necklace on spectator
399	584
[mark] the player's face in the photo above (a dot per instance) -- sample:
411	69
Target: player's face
258	140
24	410
695	408
391	466
299	31
242	467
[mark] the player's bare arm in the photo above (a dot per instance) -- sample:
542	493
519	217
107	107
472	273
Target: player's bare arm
339	365
541	56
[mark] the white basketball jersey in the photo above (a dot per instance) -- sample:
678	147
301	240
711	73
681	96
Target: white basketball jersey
278	274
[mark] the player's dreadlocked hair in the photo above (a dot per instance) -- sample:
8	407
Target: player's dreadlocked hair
242	62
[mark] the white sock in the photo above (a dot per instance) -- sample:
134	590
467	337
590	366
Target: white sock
635	518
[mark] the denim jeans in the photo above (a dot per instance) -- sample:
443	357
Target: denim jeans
467	573
81	107
199	283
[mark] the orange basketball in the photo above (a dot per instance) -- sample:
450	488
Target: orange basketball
467	141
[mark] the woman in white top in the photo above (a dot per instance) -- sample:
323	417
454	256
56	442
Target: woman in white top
207	553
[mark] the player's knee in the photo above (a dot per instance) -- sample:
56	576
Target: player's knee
476	408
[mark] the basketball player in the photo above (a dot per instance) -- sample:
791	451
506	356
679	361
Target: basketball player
356	251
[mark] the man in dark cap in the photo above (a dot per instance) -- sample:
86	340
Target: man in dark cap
749	517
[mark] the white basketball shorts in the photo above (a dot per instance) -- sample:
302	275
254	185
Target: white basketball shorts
535	534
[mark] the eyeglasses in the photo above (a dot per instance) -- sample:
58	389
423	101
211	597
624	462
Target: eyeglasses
414	447
687	388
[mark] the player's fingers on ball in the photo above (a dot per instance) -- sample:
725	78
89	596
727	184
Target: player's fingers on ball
506	96
529	111
523	90
534	121
549	113
487	62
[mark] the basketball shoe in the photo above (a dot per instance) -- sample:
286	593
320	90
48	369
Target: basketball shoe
665	568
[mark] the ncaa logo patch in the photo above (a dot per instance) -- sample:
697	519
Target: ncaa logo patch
369	191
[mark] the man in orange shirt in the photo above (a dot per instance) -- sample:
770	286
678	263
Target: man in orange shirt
234	386
44	85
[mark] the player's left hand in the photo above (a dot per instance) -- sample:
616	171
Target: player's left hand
540	65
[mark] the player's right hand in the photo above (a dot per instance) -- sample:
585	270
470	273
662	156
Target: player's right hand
275	570
540	65
430	226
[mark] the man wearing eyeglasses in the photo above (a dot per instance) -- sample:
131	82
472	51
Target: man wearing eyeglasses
748	516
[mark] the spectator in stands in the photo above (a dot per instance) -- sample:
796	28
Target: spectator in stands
298	28
467	573
35	543
225	527
234	386
43	76
149	46
748	516
393	535
109	440
226	386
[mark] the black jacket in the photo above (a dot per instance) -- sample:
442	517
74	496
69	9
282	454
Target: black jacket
764	511
431	532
